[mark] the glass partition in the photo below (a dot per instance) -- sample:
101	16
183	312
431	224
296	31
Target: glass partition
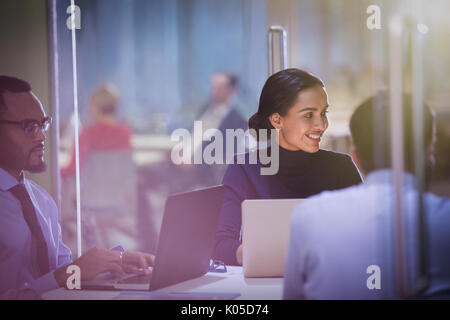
146	68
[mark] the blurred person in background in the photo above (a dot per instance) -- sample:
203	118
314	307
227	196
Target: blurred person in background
106	132
107	177
221	113
158	180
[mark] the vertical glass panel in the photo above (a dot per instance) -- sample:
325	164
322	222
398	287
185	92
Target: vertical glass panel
145	69
333	40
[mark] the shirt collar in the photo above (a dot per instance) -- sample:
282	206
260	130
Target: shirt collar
7	181
386	176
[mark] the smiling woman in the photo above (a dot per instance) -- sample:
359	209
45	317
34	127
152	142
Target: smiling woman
303	125
295	102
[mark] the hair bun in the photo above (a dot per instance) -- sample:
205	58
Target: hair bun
254	122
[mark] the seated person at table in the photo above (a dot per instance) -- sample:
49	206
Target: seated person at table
33	258
342	241
106	133
221	110
296	103
221	113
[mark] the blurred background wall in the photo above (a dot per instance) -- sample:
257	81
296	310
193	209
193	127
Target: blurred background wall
161	54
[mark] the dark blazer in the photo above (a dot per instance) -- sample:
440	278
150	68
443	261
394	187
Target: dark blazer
207	174
233	120
324	170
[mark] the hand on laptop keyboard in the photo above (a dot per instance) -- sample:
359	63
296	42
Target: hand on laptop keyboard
136	279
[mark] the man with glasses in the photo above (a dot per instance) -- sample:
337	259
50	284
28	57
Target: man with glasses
33	258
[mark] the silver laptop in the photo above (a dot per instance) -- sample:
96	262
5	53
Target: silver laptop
185	245
265	235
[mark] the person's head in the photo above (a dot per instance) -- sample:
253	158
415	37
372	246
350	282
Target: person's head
22	120
296	103
223	88
104	102
370	129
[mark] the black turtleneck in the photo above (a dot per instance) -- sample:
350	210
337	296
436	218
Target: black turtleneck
300	175
304	174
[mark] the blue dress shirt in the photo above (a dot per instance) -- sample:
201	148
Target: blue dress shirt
18	270
335	236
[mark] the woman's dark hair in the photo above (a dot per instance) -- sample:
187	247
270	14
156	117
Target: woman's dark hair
279	94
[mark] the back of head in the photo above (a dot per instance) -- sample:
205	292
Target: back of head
371	132
233	81
11	84
279	94
106	99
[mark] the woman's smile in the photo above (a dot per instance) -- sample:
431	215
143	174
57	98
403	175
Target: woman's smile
314	136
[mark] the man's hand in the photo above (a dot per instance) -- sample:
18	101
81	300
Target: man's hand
92	263
132	261
99	260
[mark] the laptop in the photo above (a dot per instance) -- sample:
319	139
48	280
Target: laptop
185	245
265	235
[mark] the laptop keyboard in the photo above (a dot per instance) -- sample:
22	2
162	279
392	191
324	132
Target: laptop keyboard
137	279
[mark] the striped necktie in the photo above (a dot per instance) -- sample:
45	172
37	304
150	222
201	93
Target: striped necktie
20	192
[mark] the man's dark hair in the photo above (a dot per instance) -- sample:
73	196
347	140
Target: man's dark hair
370	128
11	84
233	81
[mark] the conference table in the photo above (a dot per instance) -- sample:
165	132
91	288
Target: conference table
212	285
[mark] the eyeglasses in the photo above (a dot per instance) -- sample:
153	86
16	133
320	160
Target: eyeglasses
217	266
32	127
